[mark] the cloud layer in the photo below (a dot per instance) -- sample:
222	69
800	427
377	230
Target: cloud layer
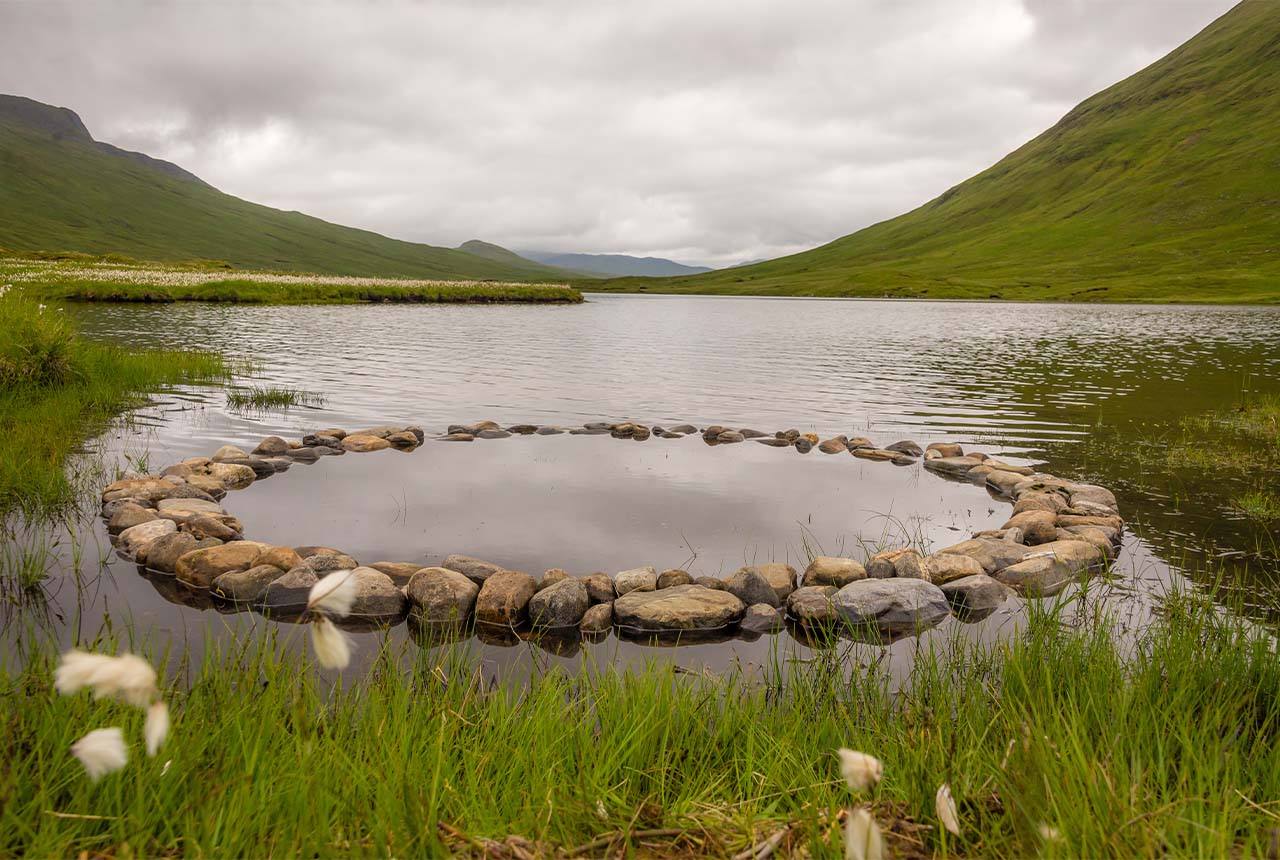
709	132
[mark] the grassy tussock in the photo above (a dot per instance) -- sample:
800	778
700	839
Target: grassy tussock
1166	749
263	397
57	389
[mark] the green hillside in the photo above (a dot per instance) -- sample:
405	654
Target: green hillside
61	190
1163	187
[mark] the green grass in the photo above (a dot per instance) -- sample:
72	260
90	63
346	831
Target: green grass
60	189
1161	188
271	397
1261	505
1166	748
57	390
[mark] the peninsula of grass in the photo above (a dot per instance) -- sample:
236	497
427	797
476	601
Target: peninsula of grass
58	389
59	278
1072	739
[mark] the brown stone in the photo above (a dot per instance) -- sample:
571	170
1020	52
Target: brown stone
828	570
1037	526
201	567
504	598
364	443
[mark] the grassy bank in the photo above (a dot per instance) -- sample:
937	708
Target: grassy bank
1168	748
57	389
109	280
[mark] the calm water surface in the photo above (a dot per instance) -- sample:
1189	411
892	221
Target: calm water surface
1035	383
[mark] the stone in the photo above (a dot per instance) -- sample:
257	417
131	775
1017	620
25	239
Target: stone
992	554
1095	494
1051	567
828	570
1109	533
680	608
557	431
201	567
789	435
164	552
892	606
407	439
376	595
781	577
246	586
906	446
945	567
877	454
364	443
811	605
441	596
309	553
401	572
945	449
472	568
290	591
271	446
683	429
551	577
636	579
597	619
200	526
129	515
803	445
1093	535
761	618
957	466
1027	502
493	434
1003	482
207	484
150	489
1037	526
896	562
110	509
774	443
523	429
280	464
749	433
560	605
283	557
232	476
861	442
456	437
134	538
730	436
191	505
1066	521
310	455
322	563
504	598
749	586
321	440
228	452
473	429
709	582
599	588
674	577
834	445
976	594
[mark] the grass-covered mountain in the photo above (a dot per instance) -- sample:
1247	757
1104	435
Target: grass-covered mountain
614	265
60	190
1163	187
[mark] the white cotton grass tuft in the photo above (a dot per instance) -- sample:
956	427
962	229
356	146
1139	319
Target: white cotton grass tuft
945	804
1049	834
860	771
862	839
102	751
157	727
334	594
127	678
332	646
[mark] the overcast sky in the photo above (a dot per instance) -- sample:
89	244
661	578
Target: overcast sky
710	132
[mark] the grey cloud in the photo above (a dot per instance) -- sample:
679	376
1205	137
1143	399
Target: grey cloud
710	132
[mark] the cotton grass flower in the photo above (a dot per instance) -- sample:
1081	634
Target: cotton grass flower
862	839
102	751
945	804
157	727
1049	834
860	771
334	594
332	646
127	678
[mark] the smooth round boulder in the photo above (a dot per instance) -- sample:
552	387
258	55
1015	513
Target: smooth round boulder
164	552
991	553
835	445
376	595
599	588
714	583
201	526
504	598
290	591
404	440
674	577
551	577
128	515
401	572
891	606
246	586
945	449
148	489
597	619
636	579
320	440
441	596
323	563
781	577
830	570
136	537
283	557
472	568
1037	526
228	452
906	446
1051	567
1003	482
1052	502
201	567
560	605
232	476
761	618
954	466
945	567
751	588
812	606
676	609
975	596
363	443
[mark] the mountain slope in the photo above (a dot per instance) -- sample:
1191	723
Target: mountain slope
61	190
499	254
613	265
1163	187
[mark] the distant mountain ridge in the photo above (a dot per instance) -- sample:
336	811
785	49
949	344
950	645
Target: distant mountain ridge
615	265
60	190
1162	187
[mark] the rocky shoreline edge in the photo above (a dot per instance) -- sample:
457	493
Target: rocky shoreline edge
173	524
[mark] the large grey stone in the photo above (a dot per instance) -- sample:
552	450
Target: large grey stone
976	595
906	563
597	619
246	586
829	570
636	579
762	618
944	567
1051	567
559	605
681	608
472	568
441	596
811	605
164	552
992	554
749	586
599	588
128	515
136	537
892	605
